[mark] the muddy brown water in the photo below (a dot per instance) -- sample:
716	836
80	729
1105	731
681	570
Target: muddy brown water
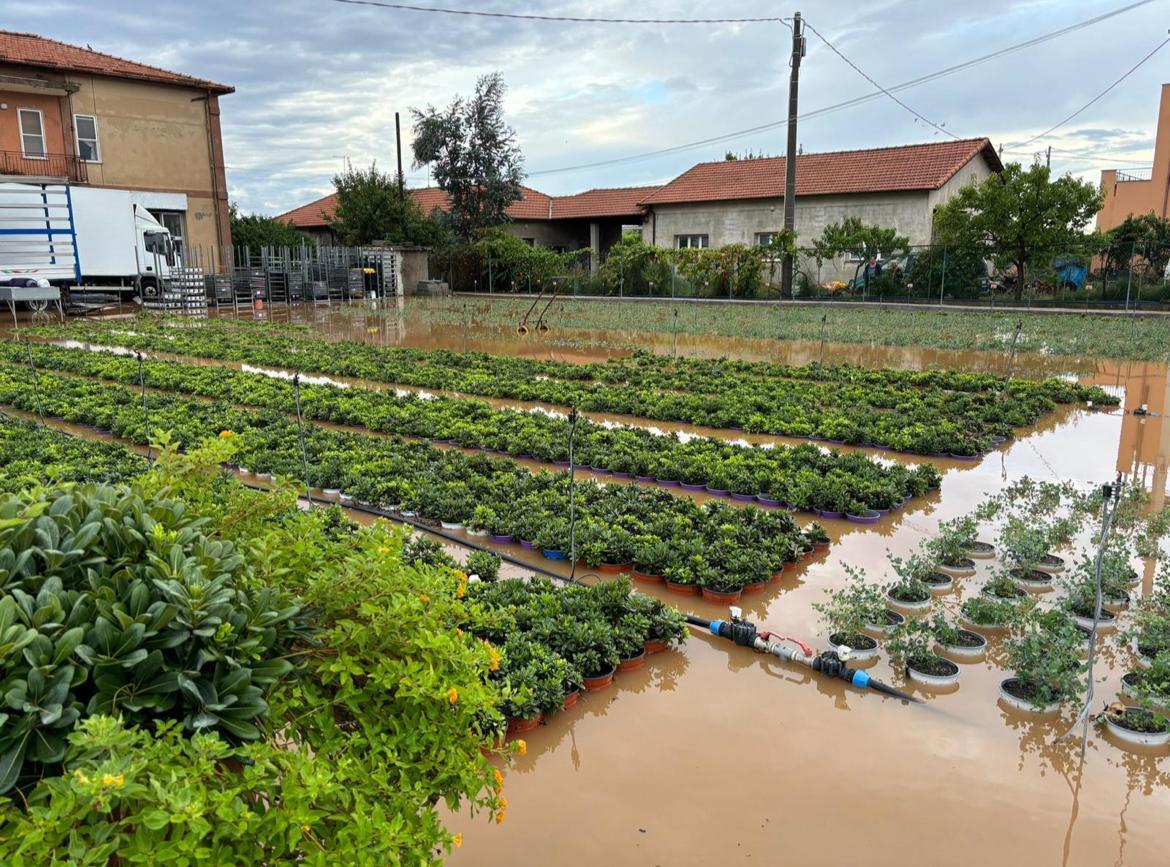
714	754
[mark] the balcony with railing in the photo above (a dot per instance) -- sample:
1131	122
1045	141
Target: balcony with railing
1125	175
64	166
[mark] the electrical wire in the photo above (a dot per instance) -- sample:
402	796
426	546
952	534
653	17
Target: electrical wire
574	19
1096	98
849	103
864	75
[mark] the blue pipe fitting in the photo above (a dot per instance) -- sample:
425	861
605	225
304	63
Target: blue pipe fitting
715	626
860	680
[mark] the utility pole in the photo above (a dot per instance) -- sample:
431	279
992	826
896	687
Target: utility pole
1048	158
401	179
786	266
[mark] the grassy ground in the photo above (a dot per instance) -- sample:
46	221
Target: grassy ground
1143	338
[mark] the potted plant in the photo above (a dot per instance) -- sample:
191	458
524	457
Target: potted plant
949	550
911	646
816	534
910	592
1149	686
1025	546
1002	585
1046	665
630	637
848	612
667	626
956	641
1149	631
653	556
1139	726
990	614
720	586
1081	604
684	575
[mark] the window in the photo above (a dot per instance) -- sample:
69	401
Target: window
173	222
87	138
765	239
692	242
32	134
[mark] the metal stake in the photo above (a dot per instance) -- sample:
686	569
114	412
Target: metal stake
301	437
145	407
36	382
573	416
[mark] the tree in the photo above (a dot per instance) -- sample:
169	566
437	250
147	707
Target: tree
474	156
369	208
1146	236
255	231
855	238
1018	215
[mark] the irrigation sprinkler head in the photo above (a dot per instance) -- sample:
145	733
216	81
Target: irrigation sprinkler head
736	613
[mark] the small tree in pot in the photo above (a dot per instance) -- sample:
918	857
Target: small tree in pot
1046	662
848	612
911	644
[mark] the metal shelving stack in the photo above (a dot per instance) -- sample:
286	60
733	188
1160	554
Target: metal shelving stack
184	292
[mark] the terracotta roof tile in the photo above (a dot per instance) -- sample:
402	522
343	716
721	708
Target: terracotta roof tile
909	167
533	206
28	49
613	202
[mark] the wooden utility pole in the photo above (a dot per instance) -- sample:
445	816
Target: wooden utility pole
786	267
401	179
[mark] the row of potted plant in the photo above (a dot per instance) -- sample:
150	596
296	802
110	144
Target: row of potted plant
558	641
830	482
31	454
923	419
714	545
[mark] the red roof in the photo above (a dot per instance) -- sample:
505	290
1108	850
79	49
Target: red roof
534	205
28	49
614	202
909	167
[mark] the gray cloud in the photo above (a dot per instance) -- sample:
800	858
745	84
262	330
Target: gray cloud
318	82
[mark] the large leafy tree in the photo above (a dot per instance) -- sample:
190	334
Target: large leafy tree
370	208
255	231
1019	216
473	155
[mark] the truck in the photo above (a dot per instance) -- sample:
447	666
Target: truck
82	238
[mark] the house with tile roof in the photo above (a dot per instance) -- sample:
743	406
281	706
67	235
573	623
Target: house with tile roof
742	201
82	116
594	219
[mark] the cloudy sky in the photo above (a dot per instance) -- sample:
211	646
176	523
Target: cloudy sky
318	81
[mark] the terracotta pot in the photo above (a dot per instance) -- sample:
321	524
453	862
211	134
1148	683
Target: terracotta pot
721	595
594	684
778	574
633	663
820	546
571	699
614	568
520	726
647	578
756	586
683	589
653	647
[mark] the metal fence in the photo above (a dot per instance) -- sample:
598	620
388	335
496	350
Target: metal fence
1128	277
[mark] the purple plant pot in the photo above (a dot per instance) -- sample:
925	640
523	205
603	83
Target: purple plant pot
530	546
646	479
501	540
999	441
600	471
965	457
667	483
560	463
526	457
883	448
882	512
865	518
717	492
618	474
825	513
687	486
743	498
906	500
768	502
836	442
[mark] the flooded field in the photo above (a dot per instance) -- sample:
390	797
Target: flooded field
712	753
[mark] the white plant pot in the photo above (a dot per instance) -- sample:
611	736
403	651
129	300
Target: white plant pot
478	534
966	652
856	654
244	471
1026	706
346	499
1138	739
1105	624
935	680
331	492
942	589
979	627
911	607
1053	567
886	628
980	553
956	571
450	525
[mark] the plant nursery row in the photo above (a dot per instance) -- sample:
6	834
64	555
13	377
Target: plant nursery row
804	477
922	419
718	546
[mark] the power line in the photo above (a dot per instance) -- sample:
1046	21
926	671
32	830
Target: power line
849	103
576	19
862	73
1127	74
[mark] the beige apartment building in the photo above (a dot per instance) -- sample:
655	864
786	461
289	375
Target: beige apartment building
73	114
1138	191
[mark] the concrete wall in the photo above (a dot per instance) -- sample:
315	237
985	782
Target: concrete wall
1124	198
550	233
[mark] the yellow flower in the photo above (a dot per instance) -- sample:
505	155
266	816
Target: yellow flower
462	576
226	434
500	816
80	776
452	695
494	657
461	591
457	840
114	780
422	597
502	810
306	828
499	779
522	746
458	632
385	549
